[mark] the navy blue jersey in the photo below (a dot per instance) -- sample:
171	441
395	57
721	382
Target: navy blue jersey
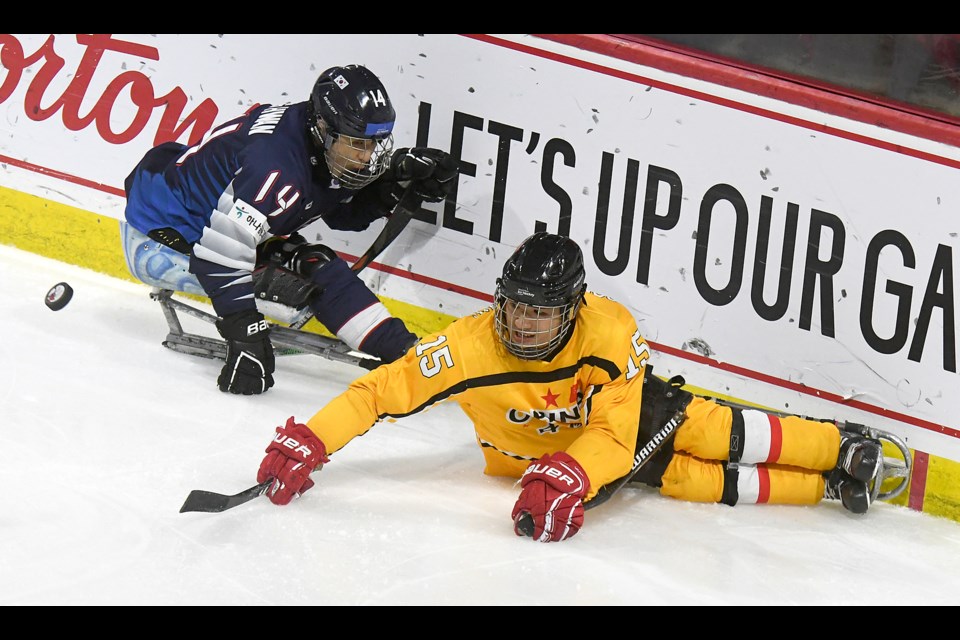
249	179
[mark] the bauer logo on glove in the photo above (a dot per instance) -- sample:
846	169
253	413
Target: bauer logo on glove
553	472
291	443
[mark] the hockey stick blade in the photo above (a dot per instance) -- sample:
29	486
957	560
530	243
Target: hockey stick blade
210	502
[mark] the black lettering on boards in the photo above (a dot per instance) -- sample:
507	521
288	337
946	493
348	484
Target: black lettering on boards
725	294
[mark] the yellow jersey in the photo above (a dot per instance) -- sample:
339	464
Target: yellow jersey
585	400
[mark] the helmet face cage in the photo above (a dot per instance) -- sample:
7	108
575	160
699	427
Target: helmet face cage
530	331
355	162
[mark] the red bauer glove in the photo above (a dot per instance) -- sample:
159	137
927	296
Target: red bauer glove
292	456
552	491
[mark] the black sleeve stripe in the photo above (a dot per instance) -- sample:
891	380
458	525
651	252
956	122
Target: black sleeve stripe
515	456
510	377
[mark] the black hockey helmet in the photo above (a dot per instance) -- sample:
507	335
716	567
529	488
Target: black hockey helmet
349	104
544	278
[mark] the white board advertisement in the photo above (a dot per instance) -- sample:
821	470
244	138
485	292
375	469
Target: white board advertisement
773	253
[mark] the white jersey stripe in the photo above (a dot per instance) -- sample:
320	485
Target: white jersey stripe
355	330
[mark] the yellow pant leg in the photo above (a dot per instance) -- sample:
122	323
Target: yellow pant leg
695	480
706	431
778	484
808	443
692	479
791	440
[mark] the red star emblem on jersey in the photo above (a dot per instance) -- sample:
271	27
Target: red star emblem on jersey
551	399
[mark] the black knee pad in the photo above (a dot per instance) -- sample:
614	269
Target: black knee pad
731	474
731	469
276	284
661	400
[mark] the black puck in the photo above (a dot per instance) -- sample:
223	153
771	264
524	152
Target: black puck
58	296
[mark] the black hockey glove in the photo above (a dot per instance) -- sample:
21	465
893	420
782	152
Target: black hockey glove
431	172
279	249
295	254
250	359
308	258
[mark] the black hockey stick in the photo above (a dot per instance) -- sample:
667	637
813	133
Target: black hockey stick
396	223
210	502
525	524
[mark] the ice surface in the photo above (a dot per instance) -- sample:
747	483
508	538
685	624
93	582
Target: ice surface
105	432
